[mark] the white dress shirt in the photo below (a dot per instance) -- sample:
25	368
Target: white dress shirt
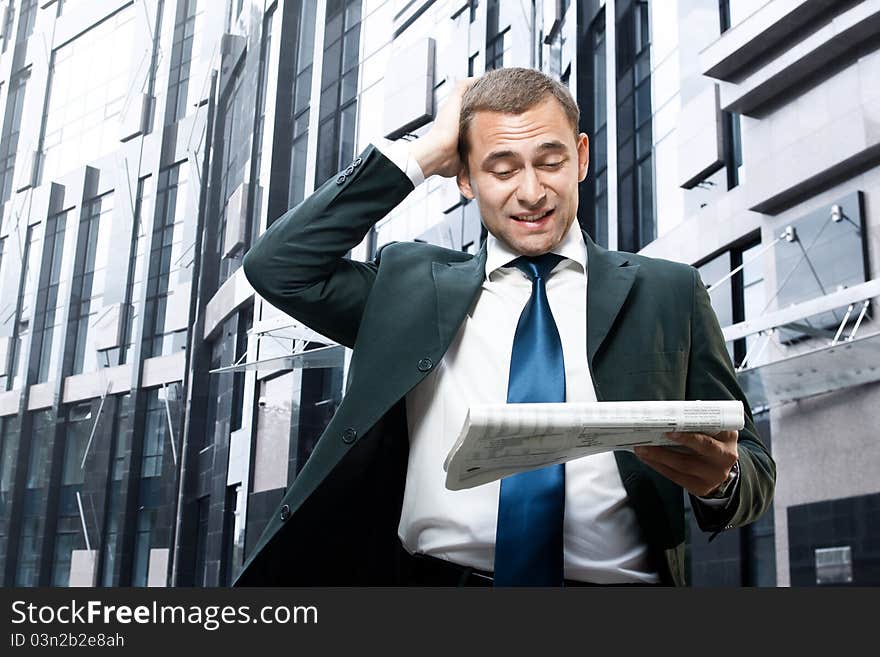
602	538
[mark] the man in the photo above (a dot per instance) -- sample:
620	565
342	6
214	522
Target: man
435	330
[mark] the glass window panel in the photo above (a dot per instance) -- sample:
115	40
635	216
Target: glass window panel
333	27
625	118
754	298
721	295
31	257
643	103
34	498
133	308
599	85
202	541
602	218
327	151
186	37
28	551
349	86
352	13
626	219
154	494
642	67
642	25
644	139
347	125
68	530
166	257
234	529
350	45
8	456
332	56
87	82
625	155
93	246
298	171
301	125
624	85
305	51
303	90
11	129
600	149
329	101
49	310
646	202
7	26
492	16
625	43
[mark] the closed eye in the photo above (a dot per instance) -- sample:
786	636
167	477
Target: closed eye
507	173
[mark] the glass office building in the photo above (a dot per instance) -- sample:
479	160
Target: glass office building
153	410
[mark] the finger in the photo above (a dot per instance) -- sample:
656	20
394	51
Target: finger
727	436
709	446
696	442
689	482
683	463
704	473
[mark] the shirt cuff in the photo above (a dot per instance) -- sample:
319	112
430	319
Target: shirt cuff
399	153
720	502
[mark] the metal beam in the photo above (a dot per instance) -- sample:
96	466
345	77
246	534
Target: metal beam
804	309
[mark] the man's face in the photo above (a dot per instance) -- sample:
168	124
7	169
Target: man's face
524	170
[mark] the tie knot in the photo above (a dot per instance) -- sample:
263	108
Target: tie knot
537	266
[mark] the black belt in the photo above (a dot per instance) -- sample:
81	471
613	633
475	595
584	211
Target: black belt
425	570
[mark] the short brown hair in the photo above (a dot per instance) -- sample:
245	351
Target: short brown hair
511	91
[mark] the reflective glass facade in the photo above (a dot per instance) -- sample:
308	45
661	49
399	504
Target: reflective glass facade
142	153
11	127
48	316
186	38
89	281
636	225
339	83
302	89
166	254
87	93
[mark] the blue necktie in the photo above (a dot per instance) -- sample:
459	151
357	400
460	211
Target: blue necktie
531	506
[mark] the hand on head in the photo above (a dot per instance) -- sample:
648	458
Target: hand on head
437	151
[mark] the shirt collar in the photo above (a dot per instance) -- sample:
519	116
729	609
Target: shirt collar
572	247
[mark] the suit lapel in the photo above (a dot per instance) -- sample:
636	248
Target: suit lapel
411	337
456	285
610	276
610	279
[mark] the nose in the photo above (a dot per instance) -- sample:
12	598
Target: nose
530	192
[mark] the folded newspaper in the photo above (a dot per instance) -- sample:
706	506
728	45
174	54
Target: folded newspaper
498	440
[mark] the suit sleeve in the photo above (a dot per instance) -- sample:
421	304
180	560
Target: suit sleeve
711	376
299	264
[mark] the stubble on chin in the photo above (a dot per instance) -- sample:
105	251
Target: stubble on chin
531	248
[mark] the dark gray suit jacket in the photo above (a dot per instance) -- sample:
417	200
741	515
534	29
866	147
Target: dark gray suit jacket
651	334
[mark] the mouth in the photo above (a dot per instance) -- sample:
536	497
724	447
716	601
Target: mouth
534	220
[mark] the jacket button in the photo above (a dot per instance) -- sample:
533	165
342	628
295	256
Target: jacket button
349	170
356	163
349	436
285	512
340	179
425	364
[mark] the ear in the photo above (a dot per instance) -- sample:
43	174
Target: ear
463	179
583	151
